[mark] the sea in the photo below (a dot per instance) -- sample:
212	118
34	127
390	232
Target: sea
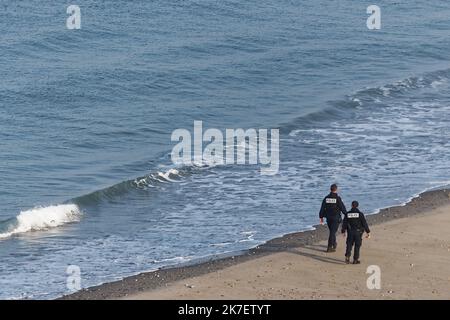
86	118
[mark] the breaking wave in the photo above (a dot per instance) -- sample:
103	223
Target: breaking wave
44	218
339	108
40	218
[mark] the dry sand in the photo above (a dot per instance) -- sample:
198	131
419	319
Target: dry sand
413	254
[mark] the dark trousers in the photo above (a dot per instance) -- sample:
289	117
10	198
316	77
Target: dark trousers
333	226
353	238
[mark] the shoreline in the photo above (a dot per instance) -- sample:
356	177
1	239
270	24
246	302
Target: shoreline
161	278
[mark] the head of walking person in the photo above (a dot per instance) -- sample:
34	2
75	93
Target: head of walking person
334	188
355	204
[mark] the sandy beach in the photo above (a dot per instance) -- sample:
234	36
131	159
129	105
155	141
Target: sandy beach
410	244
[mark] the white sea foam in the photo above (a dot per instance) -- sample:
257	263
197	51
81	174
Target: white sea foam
160	176
437	83
42	218
167	175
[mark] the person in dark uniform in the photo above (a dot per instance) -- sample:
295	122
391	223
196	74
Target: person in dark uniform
331	209
354	224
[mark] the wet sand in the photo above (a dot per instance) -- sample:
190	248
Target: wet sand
410	244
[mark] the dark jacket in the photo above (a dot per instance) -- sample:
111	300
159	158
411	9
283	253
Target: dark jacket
355	221
332	206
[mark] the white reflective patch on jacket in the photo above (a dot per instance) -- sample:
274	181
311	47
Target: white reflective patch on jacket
331	200
353	215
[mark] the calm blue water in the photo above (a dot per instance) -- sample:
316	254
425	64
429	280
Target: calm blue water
86	117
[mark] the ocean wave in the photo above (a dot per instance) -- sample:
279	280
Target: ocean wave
431	79
152	181
338	109
43	218
40	218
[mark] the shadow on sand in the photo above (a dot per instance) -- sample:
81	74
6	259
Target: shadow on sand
303	251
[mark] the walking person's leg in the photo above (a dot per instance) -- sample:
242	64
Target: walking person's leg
335	230
333	226
358	243
348	250
330	237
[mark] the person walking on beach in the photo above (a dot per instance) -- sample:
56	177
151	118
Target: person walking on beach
354	224
331	209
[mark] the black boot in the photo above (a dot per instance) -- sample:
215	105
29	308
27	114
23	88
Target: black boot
347	260
356	262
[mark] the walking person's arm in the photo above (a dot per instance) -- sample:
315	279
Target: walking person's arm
365	225
344	225
322	211
342	206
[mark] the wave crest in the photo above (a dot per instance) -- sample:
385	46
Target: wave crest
40	218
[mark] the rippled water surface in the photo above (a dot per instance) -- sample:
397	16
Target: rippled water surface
86	117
